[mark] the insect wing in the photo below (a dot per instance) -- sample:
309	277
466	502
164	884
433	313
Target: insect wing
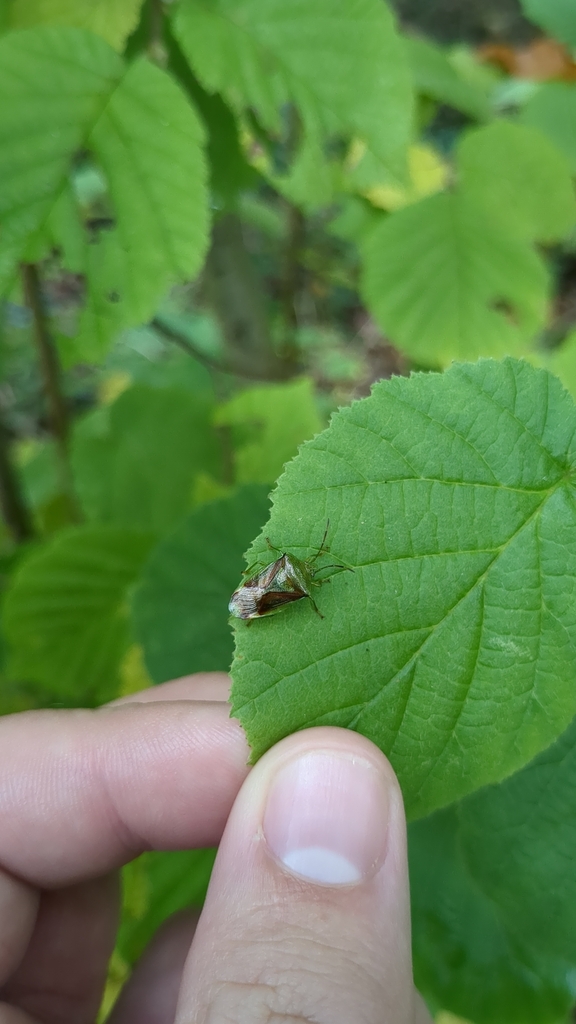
267	591
274	600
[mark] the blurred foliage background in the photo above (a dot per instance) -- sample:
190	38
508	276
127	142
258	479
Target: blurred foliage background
219	221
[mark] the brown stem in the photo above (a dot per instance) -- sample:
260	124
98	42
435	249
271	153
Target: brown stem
234	292
235	367
52	381
14	509
291	278
157	51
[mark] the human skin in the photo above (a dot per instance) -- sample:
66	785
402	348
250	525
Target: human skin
307	915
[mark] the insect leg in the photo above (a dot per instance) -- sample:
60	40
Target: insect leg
315	606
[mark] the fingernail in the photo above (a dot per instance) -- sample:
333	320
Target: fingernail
326	817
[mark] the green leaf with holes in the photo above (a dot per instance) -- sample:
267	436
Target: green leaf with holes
66	613
457	275
342	64
63	92
453	643
445	282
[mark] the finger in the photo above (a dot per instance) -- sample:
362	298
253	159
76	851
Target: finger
201	686
61	976
86	791
307	915
12	1015
151	994
18	909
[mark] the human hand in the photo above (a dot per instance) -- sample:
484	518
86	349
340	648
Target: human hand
307	916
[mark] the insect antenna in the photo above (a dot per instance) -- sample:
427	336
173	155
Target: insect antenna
321	548
315	606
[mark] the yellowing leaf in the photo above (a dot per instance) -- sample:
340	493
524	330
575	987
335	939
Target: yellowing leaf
114	20
133	674
427	173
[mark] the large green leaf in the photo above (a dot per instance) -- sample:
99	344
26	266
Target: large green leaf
268	423
553	110
114	20
456	275
558	17
519	840
465	960
340	61
66	613
136	461
520	178
180	609
447	282
63	91
453	644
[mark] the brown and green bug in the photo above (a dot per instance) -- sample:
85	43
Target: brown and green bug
280	583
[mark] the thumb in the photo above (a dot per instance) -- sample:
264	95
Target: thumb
307	915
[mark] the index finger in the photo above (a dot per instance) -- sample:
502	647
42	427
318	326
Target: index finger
86	791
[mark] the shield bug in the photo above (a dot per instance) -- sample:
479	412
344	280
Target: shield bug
279	583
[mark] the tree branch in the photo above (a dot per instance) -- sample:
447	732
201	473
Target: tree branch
235	294
51	377
14	509
232	367
290	278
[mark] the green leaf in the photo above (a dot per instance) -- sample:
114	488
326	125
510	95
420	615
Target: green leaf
157	885
453	644
114	20
52	82
136	461
341	63
445	282
465	960
557	17
520	178
180	609
562	362
519	840
553	111
435	76
66	616
269	422
63	91
148	142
